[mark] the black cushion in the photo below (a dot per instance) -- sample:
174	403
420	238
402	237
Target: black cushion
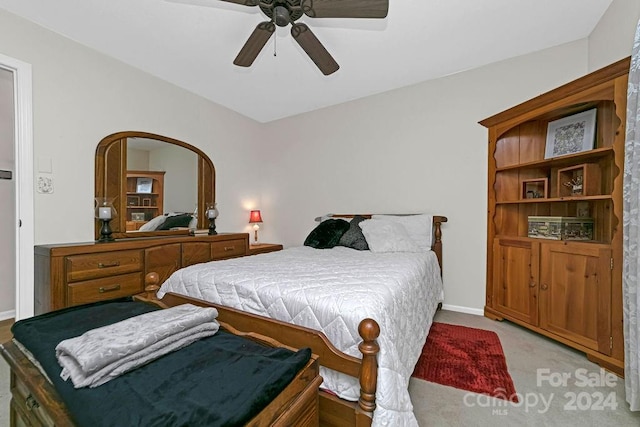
353	237
181	220
327	234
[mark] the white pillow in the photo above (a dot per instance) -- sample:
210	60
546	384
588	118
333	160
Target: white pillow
152	224
419	227
331	216
387	236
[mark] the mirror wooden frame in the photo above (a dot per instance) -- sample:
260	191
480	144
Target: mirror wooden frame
111	177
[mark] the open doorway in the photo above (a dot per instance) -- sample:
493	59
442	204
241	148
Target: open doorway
8	219
16	193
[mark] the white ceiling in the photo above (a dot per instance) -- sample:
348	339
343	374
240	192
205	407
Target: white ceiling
192	43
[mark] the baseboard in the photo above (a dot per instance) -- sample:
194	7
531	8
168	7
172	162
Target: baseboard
460	309
4	315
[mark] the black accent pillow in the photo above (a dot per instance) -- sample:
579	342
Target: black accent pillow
181	220
327	234
353	237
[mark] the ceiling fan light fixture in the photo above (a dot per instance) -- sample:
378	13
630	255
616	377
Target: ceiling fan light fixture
284	12
281	16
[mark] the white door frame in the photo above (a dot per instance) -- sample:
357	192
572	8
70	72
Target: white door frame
23	173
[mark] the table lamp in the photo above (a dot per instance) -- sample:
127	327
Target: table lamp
255	218
105	212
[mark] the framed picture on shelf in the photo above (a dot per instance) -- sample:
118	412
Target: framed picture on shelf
144	185
133	201
571	134
146	202
137	216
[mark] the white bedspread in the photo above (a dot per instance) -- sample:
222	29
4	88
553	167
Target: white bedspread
332	290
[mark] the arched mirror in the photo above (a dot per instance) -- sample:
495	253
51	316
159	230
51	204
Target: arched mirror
152	178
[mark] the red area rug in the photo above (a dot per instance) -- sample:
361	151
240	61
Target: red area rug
466	358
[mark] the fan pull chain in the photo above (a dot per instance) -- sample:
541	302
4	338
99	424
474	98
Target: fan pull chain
275	49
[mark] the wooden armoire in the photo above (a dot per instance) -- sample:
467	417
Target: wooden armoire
566	289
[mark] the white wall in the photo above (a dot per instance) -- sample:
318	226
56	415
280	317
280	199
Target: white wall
180	178
612	39
416	149
80	96
137	160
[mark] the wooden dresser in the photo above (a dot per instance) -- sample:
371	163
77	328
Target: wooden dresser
80	273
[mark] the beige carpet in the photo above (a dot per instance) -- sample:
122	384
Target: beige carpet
526	352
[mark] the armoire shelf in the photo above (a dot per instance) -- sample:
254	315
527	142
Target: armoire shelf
144	206
556	199
562	161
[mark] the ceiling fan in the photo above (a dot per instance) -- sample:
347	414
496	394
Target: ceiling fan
285	12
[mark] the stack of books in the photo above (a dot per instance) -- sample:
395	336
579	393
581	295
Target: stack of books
199	231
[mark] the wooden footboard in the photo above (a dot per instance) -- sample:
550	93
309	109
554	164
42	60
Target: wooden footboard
334	411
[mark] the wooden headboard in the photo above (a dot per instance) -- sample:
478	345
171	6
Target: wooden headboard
436	245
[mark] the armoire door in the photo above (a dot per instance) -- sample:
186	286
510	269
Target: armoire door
515	279
575	293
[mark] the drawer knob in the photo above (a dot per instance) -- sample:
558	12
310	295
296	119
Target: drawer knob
113	264
104	289
31	403
229	248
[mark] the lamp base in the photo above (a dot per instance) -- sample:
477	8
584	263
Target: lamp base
212	227
105	232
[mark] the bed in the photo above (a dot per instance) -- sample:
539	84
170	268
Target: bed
230	378
332	290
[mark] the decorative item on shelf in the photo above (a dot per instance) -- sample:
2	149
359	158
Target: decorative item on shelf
571	134
255	218
575	185
560	228
534	188
137	216
105	212
579	180
212	214
582	209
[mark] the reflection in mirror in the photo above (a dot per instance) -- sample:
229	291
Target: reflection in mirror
172	172
152	179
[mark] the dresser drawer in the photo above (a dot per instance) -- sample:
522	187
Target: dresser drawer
31	413
228	249
105	288
91	266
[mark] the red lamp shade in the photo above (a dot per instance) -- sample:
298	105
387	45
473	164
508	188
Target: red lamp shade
255	217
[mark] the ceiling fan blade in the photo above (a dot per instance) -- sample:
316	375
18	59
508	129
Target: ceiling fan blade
345	9
316	51
244	2
254	44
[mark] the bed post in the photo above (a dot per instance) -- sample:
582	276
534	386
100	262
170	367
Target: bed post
369	330
437	241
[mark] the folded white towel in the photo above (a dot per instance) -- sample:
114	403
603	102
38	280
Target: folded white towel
102	354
